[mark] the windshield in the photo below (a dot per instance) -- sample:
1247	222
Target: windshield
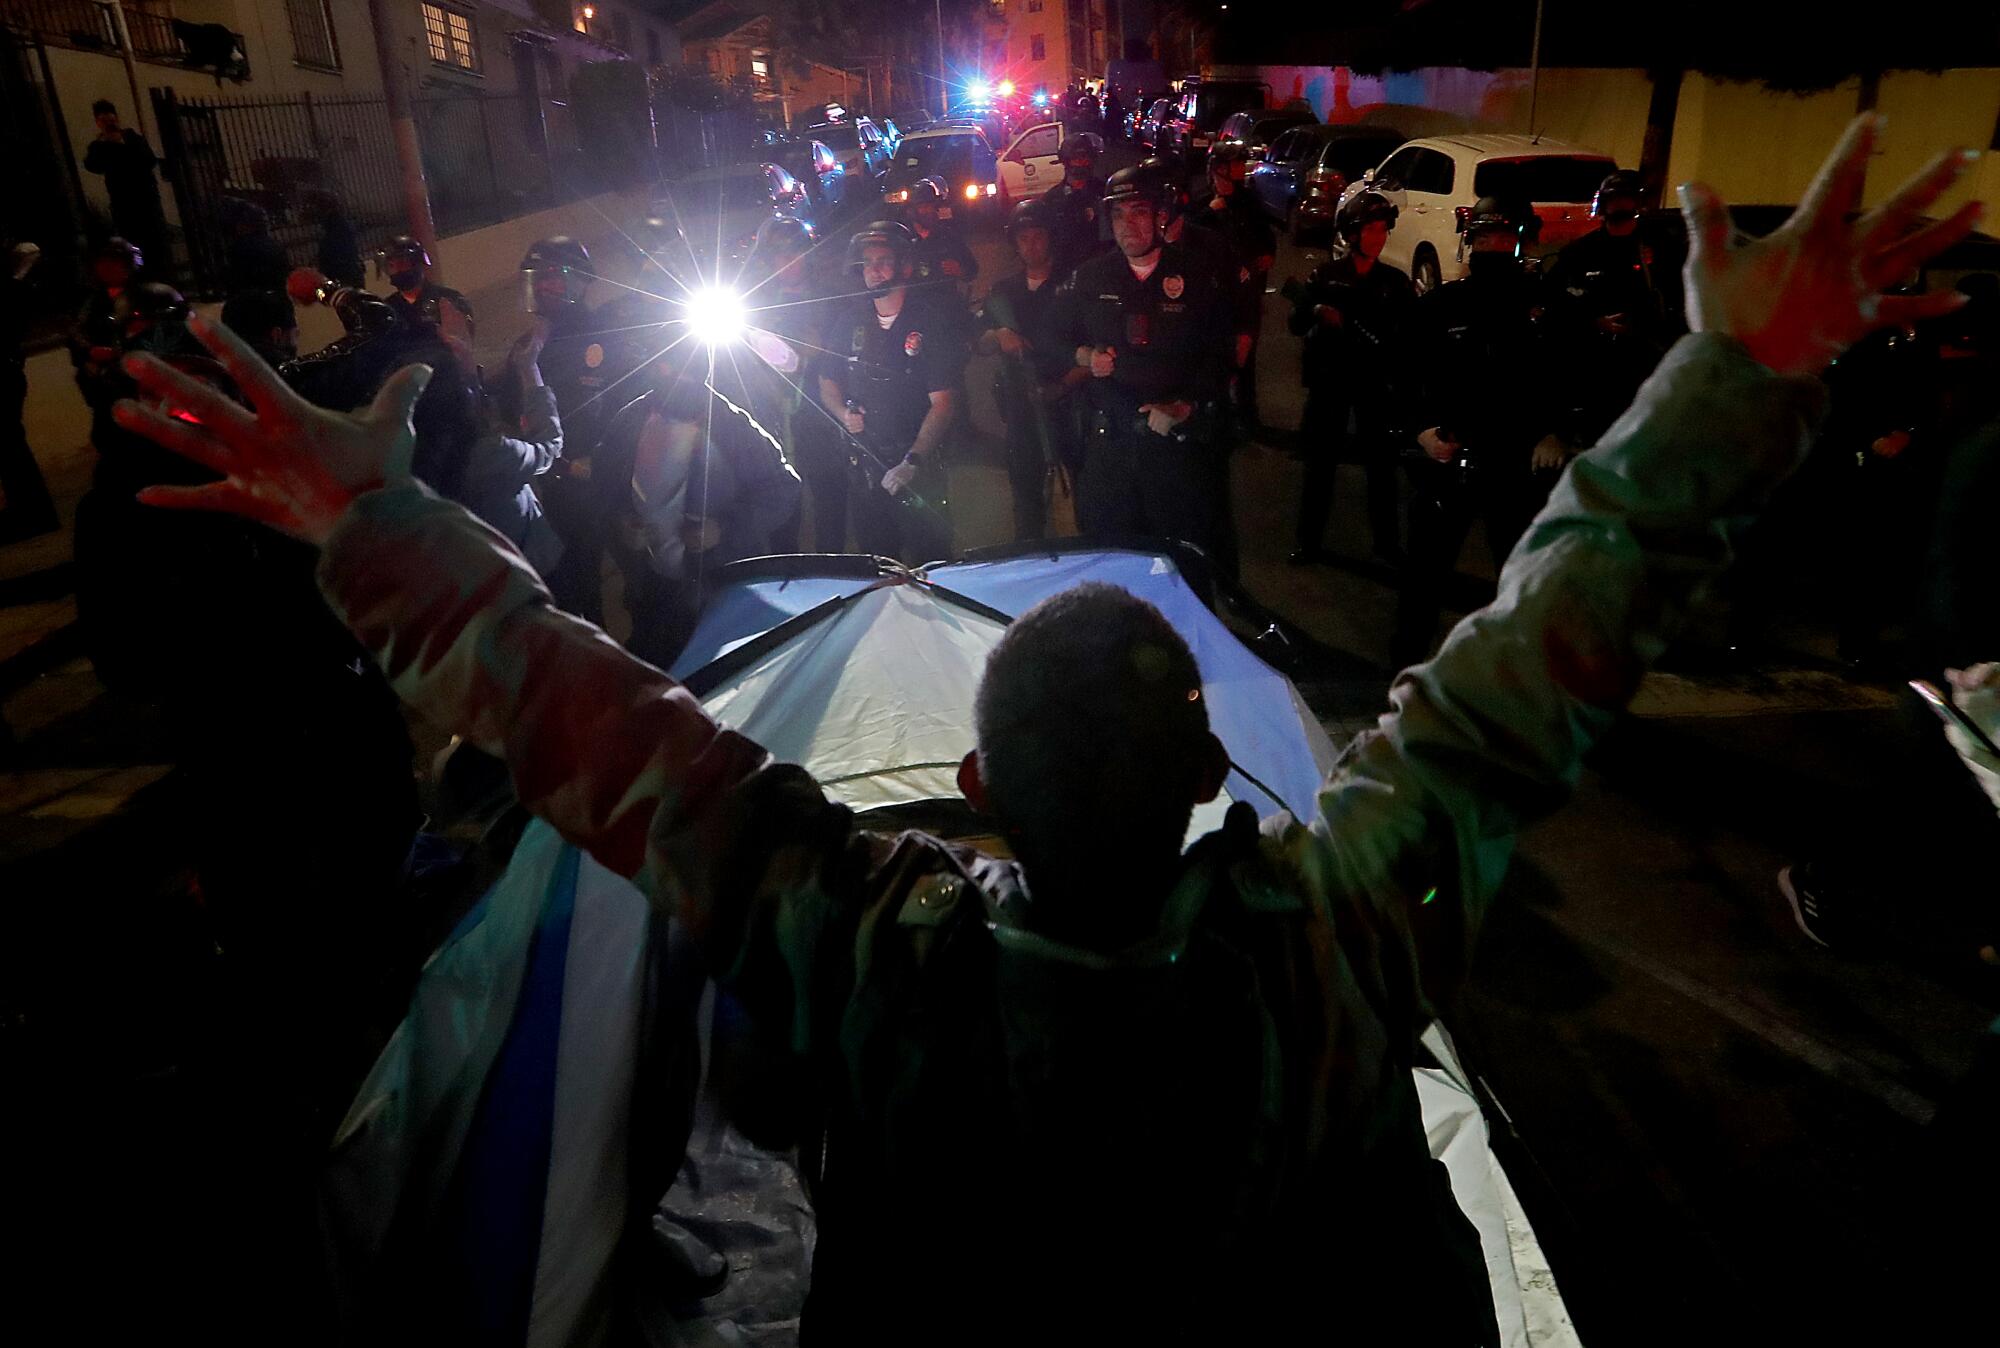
950	157
1552	177
1213	102
839	137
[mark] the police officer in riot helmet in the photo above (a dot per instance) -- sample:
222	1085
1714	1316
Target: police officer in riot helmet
939	255
1076	200
94	337
416	298
1232	213
1353	311
889	380
1486	449
1037	371
1616	305
1151	324
583	367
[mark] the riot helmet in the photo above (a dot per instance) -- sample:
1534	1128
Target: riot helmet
555	273
1358	212
1622	185
891	234
120	253
405	261
151	316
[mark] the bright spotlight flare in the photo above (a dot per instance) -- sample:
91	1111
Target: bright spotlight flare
716	315
1006	88
977	90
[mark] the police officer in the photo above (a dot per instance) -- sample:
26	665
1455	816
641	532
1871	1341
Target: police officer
1079	231
1037	371
890	379
791	309
1232	213
1616	298
939	256
95	336
415	297
1478	355
582	366
1150	322
1352	311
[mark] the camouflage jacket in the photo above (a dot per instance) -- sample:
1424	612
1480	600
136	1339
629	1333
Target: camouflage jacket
1213	1135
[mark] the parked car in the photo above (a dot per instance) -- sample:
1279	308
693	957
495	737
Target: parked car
1202	109
863	150
960	156
1030	167
1156	117
815	165
1255	129
1435	181
1300	179
715	213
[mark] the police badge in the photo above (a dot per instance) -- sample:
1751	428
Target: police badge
1172	286
593	355
913	343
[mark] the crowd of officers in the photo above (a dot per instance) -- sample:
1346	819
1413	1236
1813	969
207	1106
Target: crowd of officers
1125	346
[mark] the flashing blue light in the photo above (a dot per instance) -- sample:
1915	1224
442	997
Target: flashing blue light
977	90
1041	98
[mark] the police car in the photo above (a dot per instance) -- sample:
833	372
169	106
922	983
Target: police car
1434	182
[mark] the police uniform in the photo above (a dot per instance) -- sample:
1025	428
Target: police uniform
1170	335
1081	233
583	363
1593	278
424	309
1479	355
941	257
1243	227
1351	370
788	405
890	373
1040	433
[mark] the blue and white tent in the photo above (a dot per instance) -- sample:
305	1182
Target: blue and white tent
865	676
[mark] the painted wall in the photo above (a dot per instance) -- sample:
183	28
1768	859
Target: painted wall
1752	145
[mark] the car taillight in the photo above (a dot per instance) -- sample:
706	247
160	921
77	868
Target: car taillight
972	191
900	194
1460	214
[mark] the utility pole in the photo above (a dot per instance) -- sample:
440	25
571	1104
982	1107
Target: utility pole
123	33
403	127
944	89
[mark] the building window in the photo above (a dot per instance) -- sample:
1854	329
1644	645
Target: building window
1034	6
312	34
760	68
449	33
1038	50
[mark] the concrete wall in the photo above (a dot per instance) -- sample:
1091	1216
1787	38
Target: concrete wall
1752	145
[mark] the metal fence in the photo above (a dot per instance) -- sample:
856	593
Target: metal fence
485	159
89	26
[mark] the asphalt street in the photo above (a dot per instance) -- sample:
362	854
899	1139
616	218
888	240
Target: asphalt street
1712	1122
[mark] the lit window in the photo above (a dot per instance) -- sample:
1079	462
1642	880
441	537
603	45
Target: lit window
449	34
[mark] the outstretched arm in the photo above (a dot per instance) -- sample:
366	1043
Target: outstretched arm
1417	821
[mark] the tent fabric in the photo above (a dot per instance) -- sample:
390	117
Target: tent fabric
875	698
1252	708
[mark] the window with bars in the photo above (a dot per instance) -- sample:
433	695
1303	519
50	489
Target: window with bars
313	42
452	41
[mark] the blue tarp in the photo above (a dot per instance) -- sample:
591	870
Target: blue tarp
1252	707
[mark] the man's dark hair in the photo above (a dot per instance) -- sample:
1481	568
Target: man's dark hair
1092	732
102	106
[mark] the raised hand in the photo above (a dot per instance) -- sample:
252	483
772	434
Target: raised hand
1803	294
283	461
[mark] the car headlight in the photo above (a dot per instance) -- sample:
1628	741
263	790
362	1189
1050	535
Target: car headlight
900	194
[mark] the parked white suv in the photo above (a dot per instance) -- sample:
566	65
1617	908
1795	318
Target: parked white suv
1435	181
